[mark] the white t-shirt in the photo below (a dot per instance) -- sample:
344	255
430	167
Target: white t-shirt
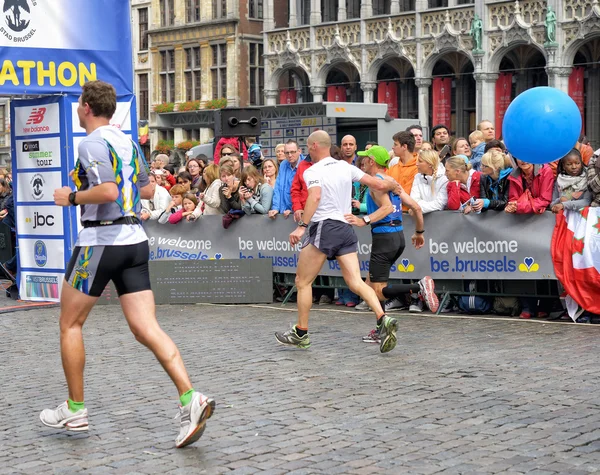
335	178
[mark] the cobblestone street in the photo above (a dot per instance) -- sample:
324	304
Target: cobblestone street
457	395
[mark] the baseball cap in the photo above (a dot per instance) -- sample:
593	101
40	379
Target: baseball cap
377	153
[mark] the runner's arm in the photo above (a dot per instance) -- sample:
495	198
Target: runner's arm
385	206
312	202
99	194
146	192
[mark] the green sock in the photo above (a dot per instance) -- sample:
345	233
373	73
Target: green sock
186	397
75	406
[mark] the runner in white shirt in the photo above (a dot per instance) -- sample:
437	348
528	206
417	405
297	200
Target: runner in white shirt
330	236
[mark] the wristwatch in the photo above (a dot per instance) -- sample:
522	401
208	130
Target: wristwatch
72	196
302	224
366	219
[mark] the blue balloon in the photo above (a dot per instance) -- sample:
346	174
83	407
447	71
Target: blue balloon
541	125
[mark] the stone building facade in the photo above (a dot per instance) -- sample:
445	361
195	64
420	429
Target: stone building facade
201	50
314	45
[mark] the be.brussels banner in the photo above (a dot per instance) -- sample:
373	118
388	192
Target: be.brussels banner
56	46
487	246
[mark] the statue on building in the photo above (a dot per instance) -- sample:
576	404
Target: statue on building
476	33
550	24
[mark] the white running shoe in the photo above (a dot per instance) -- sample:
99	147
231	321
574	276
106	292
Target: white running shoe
416	306
193	418
394	304
363	306
63	418
428	293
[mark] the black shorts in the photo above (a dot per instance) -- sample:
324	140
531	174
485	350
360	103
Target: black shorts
333	238
92	267
386	248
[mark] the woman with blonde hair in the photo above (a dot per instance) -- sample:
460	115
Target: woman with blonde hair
270	170
493	182
463	182
280	153
256	195
429	188
210	198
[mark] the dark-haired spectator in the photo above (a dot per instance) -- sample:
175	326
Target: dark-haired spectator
194	167
494	144
153	208
369	145
494	183
463	182
256	195
440	136
185	179
229	191
348	149
188	206
530	189
593	176
177	193
282	198
210	197
488	130
417	132
477	148
571	187
405	170
269	170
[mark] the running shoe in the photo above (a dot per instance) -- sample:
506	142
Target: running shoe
372	337
387	334
428	293
416	306
394	304
324	299
363	306
63	418
193	417
291	338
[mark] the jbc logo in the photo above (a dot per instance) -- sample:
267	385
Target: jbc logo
40	220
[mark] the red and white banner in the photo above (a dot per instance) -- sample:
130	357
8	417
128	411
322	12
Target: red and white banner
336	94
387	93
576	255
288	96
503	99
442	101
576	91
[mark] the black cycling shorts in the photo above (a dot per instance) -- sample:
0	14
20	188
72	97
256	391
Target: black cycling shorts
92	267
333	238
386	248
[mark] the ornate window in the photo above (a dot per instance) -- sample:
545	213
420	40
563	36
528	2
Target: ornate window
192	11
167	75
143	28
219	9
192	74
257	76
143	96
438	3
218	71
381	7
255	9
167	12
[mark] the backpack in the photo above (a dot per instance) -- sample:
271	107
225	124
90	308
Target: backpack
474	304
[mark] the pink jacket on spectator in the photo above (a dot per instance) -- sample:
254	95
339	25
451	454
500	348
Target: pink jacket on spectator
459	193
177	216
541	190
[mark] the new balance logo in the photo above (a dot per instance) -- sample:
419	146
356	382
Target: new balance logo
37	116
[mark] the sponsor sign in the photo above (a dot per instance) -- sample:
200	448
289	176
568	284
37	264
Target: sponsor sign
41	153
121	119
40	286
46	220
36	120
486	246
42	253
44	49
38	186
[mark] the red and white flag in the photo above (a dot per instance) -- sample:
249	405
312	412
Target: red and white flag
576	255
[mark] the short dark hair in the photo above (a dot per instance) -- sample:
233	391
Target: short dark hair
185	176
203	158
170	169
438	127
405	138
416	126
494	144
371	143
572	153
101	97
292	141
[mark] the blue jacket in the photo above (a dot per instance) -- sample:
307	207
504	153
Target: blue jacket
476	155
282	196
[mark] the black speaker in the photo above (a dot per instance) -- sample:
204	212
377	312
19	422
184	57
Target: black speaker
237	122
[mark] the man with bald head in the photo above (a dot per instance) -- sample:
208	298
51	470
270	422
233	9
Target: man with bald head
348	149
330	236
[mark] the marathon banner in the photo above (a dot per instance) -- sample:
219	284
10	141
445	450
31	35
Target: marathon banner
490	245
49	47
